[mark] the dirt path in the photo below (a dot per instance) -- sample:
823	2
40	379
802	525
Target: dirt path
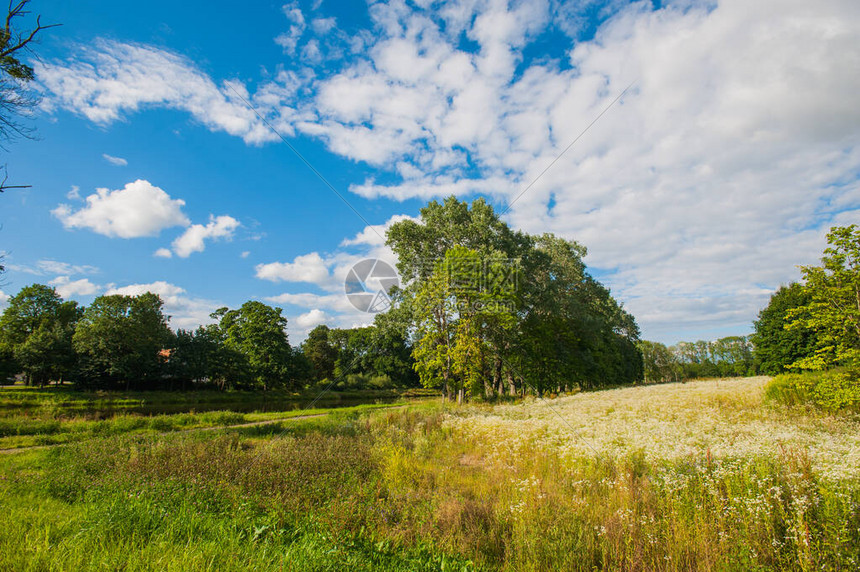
213	428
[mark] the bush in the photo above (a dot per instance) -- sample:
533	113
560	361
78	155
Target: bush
832	390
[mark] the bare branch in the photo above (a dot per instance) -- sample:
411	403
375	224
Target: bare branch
4	186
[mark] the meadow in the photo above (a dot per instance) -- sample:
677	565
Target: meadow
706	475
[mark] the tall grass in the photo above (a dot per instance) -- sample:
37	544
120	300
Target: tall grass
435	488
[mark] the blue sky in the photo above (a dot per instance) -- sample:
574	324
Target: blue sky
721	168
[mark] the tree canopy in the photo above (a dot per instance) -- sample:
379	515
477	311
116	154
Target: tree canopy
492	307
36	332
833	307
777	346
119	339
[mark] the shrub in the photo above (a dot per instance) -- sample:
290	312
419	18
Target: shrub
832	390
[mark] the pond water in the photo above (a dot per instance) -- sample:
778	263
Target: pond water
238	406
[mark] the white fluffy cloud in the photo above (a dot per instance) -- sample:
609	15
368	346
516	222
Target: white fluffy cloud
696	194
184	311
312	319
138	209
195	236
309	268
66	287
142	209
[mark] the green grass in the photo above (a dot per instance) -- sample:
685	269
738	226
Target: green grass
203	502
409	489
67	398
21	430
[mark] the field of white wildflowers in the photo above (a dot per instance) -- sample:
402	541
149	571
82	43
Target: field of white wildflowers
716	419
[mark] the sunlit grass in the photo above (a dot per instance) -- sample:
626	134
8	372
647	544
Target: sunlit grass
675	478
22	430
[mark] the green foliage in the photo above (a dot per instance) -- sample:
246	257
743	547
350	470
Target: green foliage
834	390
381	350
659	362
119	338
776	345
573	330
833	311
537	322
731	356
454	314
256	335
36	332
320	353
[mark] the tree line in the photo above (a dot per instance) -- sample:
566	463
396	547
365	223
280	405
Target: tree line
483	311
125	342
732	356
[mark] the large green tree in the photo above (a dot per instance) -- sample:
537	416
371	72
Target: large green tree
777	346
258	333
833	310
319	351
36	332
119	340
551	326
458	308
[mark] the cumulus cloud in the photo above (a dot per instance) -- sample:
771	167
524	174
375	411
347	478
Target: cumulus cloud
306	268
118	161
163	253
195	236
374	235
185	311
312	319
66	287
4	299
138	209
696	194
